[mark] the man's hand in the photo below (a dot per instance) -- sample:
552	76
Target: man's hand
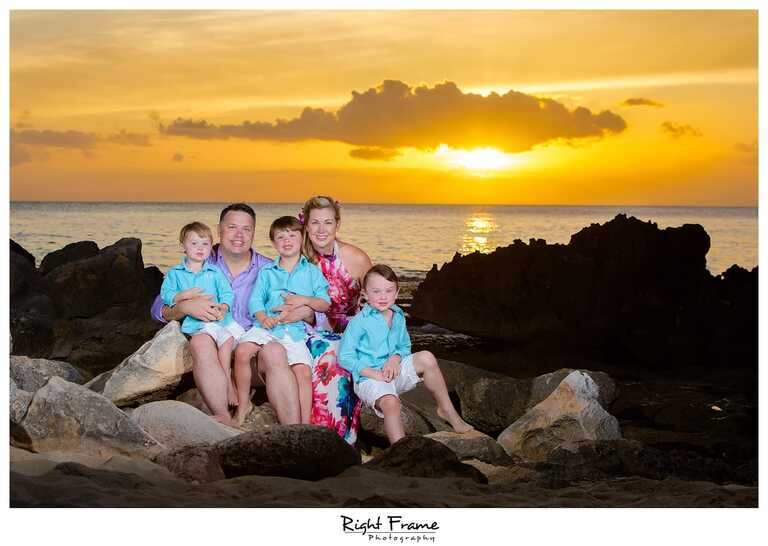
201	308
391	368
189	294
295	299
294	313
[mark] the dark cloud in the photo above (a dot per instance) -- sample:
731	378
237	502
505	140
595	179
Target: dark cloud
125	138
23	120
56	139
395	115
679	130
642	102
746	148
382	154
177	157
22	140
19	154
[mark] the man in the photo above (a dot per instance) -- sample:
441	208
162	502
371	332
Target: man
241	265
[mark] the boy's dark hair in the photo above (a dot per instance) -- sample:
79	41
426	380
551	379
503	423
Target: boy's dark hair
290	223
196	227
241	207
384	271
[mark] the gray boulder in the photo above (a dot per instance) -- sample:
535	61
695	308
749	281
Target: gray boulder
32	373
570	414
176	424
543	385
66	416
473	445
491	404
413	423
151	373
305	452
19	400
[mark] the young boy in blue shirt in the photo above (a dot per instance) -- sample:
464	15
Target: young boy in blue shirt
291	279
376	349
194	274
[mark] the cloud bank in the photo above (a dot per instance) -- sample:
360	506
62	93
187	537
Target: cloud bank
22	141
395	115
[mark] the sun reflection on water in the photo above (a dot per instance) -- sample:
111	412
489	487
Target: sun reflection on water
475	239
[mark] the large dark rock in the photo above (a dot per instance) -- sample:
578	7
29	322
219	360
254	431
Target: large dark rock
32	310
422	457
87	306
305	452
597	460
491	405
70	253
625	290
193	463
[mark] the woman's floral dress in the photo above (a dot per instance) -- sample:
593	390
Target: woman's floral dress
334	403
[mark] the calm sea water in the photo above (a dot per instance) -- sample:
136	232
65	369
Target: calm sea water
409	237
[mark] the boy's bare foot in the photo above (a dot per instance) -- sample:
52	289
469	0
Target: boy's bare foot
242	413
232	394
455	420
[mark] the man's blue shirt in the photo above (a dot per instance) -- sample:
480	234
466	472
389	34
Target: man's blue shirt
210	279
274	282
368	341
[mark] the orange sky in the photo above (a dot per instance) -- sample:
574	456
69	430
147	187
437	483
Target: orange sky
521	107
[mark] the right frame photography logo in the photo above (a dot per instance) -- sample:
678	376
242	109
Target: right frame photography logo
391	528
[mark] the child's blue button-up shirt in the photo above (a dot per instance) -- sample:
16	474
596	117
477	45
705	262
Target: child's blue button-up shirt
274	282
209	278
368	342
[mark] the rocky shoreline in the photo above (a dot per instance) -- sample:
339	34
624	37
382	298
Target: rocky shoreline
557	424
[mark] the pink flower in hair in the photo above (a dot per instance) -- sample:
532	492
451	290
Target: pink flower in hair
300	216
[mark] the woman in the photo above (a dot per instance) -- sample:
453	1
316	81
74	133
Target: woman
344	265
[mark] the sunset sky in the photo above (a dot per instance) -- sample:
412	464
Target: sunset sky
517	107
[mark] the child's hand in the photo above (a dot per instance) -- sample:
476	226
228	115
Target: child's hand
295	299
391	370
379	375
281	317
269	322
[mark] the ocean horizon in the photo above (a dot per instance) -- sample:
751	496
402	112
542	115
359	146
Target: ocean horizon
409	237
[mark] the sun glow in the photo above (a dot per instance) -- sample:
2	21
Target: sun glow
478	159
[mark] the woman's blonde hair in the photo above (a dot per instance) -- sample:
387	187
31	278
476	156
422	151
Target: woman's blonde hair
316	202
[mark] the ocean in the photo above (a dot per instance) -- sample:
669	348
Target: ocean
410	238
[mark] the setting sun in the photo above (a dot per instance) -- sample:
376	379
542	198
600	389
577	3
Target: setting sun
478	159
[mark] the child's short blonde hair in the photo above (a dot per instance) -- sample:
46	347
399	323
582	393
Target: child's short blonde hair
196	227
285	223
383	271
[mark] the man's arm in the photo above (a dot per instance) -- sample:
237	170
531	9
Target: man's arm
201	308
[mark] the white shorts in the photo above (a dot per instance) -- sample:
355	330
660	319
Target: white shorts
296	350
221	334
371	390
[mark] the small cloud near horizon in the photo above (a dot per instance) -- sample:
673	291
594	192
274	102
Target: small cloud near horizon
679	130
381	154
395	115
639	101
